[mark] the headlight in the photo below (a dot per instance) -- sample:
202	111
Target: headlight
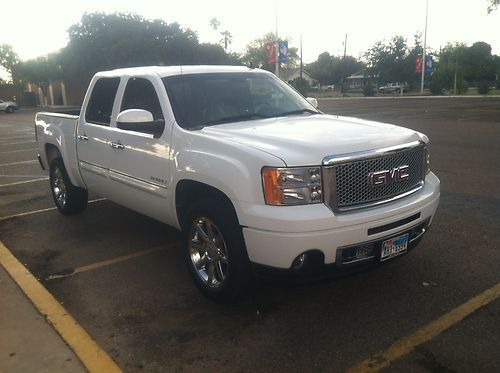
292	186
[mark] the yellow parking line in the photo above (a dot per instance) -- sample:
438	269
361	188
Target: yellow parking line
88	351
425	334
41	210
106	263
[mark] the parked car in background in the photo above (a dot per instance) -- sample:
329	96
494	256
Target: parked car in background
8	106
393	88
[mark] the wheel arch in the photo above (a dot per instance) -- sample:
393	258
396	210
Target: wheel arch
188	192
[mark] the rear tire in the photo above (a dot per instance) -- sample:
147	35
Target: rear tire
68	198
10	110
214	251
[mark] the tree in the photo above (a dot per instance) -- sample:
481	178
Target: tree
255	54
98	43
390	61
40	71
227	39
8	58
214	23
493	5
329	69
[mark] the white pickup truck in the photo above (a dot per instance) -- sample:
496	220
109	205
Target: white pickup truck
254	175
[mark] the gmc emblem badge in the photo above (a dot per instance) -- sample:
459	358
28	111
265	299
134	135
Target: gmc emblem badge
386	177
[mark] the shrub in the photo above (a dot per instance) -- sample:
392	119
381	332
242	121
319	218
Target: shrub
462	86
437	86
483	87
368	90
300	85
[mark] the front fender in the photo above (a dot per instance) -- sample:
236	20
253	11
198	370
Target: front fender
232	168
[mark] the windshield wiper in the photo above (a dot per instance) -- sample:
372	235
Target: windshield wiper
293	112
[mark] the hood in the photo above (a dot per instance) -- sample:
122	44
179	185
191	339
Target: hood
306	140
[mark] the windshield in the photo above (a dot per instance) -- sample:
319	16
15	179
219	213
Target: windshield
200	100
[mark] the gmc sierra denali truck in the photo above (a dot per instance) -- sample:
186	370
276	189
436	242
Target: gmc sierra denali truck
253	174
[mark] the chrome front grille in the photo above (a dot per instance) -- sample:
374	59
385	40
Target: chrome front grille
347	177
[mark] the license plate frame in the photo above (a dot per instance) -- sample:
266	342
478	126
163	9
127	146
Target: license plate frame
394	247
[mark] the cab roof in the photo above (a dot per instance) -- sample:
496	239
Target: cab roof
164	71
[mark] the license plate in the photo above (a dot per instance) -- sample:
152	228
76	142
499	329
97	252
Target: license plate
394	247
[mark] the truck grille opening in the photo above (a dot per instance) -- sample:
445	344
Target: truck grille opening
348	181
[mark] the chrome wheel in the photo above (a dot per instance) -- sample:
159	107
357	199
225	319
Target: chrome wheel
208	252
59	187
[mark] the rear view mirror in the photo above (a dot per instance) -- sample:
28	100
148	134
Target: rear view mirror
312	101
140	120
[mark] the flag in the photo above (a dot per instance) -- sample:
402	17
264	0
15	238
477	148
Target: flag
271	52
283	49
418	65
428	64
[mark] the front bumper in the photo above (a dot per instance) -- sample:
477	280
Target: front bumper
278	249
317	269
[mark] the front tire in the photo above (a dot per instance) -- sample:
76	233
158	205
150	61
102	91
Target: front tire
68	198
10	110
214	251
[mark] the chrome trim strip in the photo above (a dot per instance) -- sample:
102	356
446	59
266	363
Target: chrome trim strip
338	254
95	169
331	160
419	235
380	202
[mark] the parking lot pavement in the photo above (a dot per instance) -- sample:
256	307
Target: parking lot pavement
121	275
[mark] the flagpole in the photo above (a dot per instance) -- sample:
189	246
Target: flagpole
423	51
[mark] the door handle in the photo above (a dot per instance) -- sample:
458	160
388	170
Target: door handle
116	145
83	137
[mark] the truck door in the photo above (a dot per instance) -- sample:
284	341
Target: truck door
93	138
140	164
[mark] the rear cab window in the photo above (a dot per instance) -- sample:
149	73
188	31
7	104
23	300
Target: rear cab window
100	106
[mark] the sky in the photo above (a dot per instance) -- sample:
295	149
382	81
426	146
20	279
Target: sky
37	28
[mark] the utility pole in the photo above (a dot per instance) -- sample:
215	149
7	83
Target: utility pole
456	68
301	66
425	46
343	67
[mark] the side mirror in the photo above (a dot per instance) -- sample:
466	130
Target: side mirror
140	120
134	116
312	101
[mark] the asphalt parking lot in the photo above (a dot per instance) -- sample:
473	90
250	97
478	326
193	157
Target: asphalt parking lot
121	275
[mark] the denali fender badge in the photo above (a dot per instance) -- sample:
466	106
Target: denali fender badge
386	177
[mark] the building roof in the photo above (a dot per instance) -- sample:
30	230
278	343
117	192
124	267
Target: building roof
361	75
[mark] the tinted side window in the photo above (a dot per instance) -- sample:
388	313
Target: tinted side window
101	101
140	94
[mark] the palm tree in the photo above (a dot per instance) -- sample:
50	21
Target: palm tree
227	38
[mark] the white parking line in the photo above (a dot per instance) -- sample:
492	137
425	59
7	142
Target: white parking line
18	137
18	151
21	176
42	210
23	182
16	143
20	162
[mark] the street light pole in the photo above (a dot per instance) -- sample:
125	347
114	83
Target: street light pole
276	45
425	46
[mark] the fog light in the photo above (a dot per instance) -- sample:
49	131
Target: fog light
299	262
